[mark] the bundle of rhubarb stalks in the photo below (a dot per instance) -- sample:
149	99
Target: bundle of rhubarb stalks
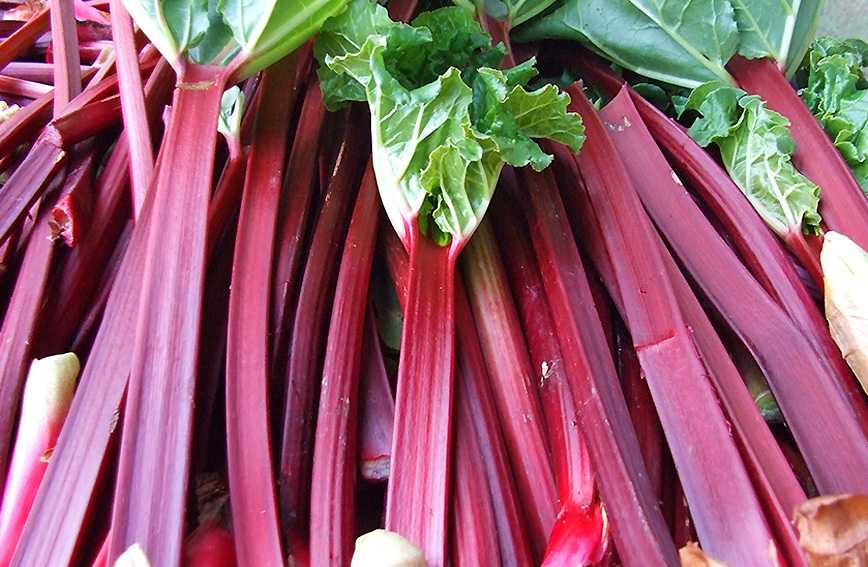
513	282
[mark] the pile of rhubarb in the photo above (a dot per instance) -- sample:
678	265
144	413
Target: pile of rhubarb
289	282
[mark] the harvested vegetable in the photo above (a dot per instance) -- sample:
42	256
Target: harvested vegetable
575	397
440	138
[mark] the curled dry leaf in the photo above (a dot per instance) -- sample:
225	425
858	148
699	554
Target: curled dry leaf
692	556
845	270
833	530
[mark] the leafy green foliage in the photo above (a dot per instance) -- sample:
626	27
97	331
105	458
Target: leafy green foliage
680	42
516	12
443	121
779	29
283	26
216	31
837	94
755	146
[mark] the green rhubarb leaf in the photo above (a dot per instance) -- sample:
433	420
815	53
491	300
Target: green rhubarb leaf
217	47
755	146
520	11
346	33
251	33
837	94
454	39
680	42
443	123
181	30
515	12
173	26
780	29
269	30
543	114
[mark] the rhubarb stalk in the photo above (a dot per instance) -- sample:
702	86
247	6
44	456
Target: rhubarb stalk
333	486
152	477
475	398
666	352
309	333
437	161
735	293
638	527
252	489
45	404
513	381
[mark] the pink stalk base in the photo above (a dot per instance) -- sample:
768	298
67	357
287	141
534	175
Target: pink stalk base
416	503
47	397
580	537
210	546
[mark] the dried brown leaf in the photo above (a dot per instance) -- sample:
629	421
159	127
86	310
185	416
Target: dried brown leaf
845	270
692	556
833	530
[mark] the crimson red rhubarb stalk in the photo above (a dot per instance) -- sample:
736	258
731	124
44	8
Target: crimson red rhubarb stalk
513	381
437	160
477	409
332	490
75	285
309	333
774	482
252	489
295	219
740	406
580	532
133	103
736	294
721	497
757	247
638	527
152	476
473	531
